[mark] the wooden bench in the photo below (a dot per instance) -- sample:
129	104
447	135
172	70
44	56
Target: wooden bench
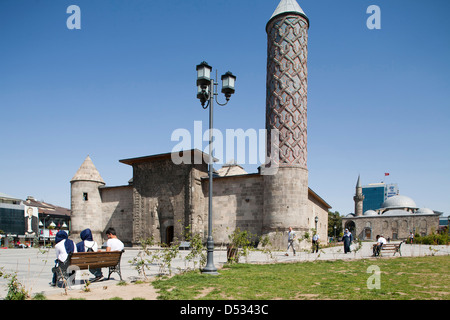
390	247
89	260
184	245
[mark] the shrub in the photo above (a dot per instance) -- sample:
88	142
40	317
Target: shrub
239	239
16	290
432	239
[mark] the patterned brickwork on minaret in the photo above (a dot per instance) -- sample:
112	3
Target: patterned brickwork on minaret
286	191
286	107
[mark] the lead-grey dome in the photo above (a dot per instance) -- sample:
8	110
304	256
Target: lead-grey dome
424	211
370	213
399	202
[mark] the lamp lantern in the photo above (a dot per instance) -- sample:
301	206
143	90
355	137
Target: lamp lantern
203	74
228	81
203	93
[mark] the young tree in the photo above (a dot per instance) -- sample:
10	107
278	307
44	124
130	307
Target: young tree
334	219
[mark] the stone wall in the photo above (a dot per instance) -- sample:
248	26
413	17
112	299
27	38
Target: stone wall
199	200
237	203
117	208
320	210
394	227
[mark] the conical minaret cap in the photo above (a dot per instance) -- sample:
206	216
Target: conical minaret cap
287	6
358	183
87	172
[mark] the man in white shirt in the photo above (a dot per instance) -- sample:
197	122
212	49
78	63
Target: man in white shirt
113	243
291	238
377	247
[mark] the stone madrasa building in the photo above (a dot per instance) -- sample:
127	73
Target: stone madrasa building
163	198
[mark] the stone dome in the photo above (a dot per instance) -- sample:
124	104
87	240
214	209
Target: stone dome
399	202
370	213
231	169
88	172
424	211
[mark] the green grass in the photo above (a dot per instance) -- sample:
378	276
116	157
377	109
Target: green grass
401	278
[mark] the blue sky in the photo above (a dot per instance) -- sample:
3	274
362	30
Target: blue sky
378	100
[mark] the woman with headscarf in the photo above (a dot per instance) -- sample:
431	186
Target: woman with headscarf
63	247
347	239
88	244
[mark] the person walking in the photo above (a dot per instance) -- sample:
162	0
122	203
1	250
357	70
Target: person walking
291	238
347	239
411	237
315	243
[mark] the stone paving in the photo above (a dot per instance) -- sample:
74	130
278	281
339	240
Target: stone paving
33	266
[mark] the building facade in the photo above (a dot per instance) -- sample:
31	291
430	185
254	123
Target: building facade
29	221
395	218
376	193
164	198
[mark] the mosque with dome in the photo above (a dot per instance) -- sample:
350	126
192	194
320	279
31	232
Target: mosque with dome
397	217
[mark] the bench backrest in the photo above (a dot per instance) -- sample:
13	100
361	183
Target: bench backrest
94	260
392	245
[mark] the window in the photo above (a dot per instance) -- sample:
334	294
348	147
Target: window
367	233
85	196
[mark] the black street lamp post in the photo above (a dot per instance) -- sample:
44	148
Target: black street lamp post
206	90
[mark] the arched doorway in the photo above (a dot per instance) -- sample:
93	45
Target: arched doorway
350	225
169	235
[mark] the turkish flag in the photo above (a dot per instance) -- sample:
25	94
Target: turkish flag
386	174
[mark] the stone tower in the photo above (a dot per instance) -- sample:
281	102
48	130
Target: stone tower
86	203
286	192
358	198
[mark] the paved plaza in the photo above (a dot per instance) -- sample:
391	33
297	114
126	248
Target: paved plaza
33	266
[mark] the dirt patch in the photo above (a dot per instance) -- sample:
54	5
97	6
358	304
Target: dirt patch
306	296
127	292
204	292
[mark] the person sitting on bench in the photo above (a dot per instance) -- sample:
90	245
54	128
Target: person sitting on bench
64	246
377	248
113	243
88	244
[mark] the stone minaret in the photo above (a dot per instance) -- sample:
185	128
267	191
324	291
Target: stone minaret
86	202
358	198
286	191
